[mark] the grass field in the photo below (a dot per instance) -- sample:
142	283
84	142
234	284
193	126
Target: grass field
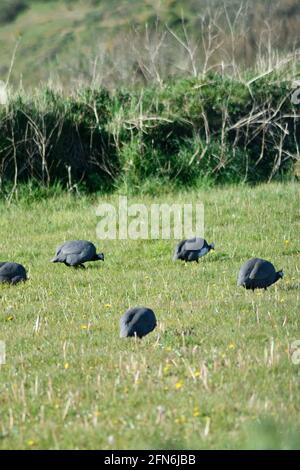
216	373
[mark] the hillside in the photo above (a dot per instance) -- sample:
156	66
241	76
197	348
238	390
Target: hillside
71	42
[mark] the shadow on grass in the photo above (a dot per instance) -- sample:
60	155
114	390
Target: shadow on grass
168	444
218	257
267	434
294	252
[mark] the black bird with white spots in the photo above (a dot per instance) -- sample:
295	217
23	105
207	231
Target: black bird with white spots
192	249
12	273
137	321
77	252
258	273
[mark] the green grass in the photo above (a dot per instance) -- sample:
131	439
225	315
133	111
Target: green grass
216	373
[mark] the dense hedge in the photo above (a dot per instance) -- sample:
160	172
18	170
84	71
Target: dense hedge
213	128
10	9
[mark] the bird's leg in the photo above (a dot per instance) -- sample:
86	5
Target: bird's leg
16	279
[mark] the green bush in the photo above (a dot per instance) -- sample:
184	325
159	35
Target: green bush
213	129
10	9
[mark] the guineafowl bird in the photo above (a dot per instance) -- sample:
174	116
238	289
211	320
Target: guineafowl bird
258	273
192	249
12	273
137	321
77	252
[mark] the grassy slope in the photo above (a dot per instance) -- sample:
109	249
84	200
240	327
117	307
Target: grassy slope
61	39
72	382
51	31
43	31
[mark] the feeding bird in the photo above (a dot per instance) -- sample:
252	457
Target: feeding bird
76	252
258	273
137	321
12	273
192	249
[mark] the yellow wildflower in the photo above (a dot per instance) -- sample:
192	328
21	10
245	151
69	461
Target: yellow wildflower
179	385
180	420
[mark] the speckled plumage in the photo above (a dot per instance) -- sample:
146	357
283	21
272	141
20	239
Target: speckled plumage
137	321
76	252
192	249
258	273
12	273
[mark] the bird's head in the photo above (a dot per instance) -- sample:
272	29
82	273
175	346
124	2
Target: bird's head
212	246
100	257
280	274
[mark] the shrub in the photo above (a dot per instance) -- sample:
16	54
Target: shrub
10	9
213	129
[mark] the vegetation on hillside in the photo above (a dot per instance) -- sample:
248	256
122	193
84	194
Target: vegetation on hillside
167	99
159	100
187	132
109	42
10	9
